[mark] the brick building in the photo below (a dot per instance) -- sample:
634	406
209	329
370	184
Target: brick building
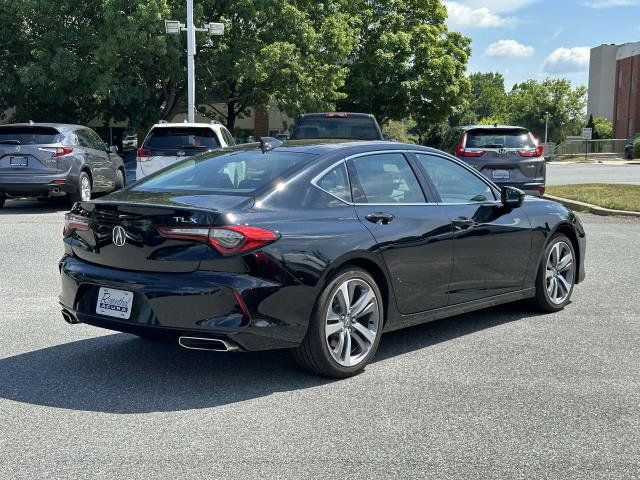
626	113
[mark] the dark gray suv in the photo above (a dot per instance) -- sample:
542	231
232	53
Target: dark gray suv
507	155
52	160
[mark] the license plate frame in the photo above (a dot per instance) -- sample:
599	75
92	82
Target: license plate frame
18	161
114	303
500	174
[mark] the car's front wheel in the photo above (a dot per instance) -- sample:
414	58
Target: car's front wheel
345	327
556	274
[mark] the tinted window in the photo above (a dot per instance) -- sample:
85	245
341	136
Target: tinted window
26	135
229	173
96	141
499	138
336	183
177	138
362	128
454	183
386	178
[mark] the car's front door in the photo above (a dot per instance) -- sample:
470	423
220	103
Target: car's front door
107	165
492	242
413	235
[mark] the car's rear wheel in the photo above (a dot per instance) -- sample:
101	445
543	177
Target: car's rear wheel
83	194
119	179
345	327
556	274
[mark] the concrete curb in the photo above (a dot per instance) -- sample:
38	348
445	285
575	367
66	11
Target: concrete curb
587	207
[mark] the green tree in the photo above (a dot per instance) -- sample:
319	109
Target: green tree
529	100
401	130
488	99
602	128
406	63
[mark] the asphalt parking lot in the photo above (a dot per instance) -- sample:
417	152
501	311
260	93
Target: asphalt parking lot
570	173
503	393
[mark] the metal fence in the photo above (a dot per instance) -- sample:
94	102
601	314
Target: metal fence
612	147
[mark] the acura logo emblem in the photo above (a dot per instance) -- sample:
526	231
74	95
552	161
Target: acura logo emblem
119	236
17	149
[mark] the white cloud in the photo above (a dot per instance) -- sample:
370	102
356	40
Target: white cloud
508	48
499	6
600	4
567	60
461	15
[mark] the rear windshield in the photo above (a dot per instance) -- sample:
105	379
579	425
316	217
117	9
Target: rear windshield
176	138
239	173
359	128
499	138
29	135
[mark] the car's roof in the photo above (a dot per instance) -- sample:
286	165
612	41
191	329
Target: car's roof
325	146
488	127
337	114
61	127
187	125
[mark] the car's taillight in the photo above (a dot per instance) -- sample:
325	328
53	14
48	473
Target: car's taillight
143	153
461	151
536	152
229	240
540	189
58	151
74	222
336	115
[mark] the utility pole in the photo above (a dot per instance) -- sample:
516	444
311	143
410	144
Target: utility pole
175	27
546	127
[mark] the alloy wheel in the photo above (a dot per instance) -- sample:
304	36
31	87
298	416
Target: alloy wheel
85	188
352	322
560	273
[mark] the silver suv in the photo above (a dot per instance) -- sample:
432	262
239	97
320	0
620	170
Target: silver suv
507	155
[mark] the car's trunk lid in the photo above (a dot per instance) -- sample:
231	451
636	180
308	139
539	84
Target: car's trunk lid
125	234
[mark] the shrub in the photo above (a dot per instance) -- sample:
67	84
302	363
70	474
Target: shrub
636	148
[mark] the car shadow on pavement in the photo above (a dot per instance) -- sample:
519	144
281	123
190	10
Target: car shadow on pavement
30	207
121	373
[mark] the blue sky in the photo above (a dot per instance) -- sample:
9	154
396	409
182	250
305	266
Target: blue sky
541	38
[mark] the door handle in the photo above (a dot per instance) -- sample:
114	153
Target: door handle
462	223
380	218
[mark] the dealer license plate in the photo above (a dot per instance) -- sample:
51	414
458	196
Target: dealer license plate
18	161
114	303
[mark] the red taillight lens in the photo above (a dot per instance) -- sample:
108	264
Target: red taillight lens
58	151
460	150
229	240
540	189
73	222
143	153
537	152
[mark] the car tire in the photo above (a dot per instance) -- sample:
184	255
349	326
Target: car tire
119	180
343	336
82	194
556	275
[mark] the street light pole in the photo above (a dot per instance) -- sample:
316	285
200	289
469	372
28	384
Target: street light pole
175	27
546	126
191	51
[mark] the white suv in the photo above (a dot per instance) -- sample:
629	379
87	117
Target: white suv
167	143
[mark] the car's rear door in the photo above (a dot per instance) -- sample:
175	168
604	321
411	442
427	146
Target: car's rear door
492	242
96	162
413	235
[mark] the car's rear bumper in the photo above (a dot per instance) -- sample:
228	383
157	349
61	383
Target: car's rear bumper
27	185
536	188
202	304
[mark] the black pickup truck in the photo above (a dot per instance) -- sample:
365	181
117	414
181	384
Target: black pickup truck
337	125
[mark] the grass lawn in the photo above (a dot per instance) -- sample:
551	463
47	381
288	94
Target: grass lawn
607	195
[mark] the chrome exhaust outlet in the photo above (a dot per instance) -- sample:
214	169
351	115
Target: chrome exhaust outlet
56	190
70	319
203	343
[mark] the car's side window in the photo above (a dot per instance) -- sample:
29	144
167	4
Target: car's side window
454	183
96	141
83	139
336	182
385	178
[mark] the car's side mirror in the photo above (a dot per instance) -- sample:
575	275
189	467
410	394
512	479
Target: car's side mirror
511	197
113	149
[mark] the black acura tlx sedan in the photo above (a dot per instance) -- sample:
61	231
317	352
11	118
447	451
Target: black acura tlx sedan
315	247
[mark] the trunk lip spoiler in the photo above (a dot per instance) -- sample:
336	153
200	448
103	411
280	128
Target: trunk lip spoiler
188	206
